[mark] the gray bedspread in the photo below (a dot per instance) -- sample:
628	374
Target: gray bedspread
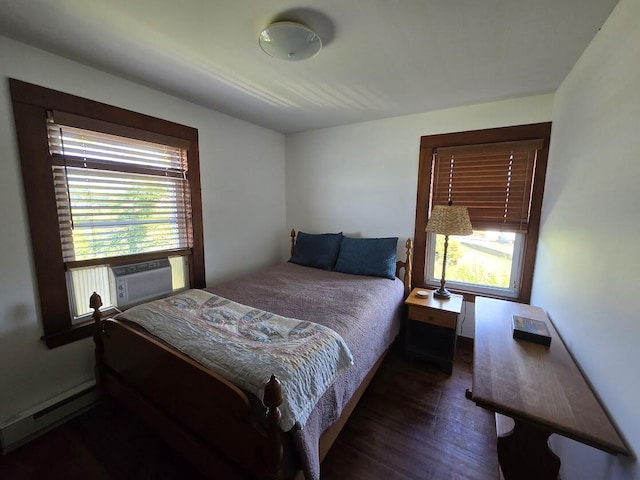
247	345
364	311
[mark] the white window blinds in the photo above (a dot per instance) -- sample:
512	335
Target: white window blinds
117	195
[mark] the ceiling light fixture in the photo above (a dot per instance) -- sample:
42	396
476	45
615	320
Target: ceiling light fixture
289	41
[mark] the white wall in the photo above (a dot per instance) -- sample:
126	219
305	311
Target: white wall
588	267
242	173
362	178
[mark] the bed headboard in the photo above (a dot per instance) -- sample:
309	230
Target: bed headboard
400	265
407	266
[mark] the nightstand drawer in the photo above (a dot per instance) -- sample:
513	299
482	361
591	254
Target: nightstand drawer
433	317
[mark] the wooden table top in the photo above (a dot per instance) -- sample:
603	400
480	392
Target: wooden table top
452	304
534	383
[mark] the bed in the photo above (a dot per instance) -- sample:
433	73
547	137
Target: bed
226	431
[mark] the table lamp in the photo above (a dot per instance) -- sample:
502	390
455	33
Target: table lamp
448	220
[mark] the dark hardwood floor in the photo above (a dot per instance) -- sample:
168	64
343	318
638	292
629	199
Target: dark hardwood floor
413	422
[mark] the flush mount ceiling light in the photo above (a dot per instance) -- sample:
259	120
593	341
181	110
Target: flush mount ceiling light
289	41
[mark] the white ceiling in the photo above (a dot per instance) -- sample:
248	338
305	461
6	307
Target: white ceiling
381	58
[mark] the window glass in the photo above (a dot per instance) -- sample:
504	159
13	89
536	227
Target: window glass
82	283
118	196
179	272
487	259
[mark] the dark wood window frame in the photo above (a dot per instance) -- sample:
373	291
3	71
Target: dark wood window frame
429	144
30	106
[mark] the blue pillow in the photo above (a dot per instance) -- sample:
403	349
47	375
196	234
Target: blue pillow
368	256
316	250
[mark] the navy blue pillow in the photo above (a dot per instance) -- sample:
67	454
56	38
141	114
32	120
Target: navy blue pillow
368	256
316	250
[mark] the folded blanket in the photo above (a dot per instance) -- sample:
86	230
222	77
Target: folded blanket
247	345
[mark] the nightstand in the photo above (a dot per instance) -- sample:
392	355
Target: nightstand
431	329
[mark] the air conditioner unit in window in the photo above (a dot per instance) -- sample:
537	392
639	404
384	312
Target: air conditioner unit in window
139	282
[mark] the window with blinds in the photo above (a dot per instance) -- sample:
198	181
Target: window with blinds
118	196
498	175
494	181
104	186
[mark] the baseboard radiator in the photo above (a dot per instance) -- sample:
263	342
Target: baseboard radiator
38	420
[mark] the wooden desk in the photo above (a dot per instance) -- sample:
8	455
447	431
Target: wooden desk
539	387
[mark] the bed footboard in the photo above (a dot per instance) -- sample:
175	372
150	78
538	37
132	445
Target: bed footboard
203	415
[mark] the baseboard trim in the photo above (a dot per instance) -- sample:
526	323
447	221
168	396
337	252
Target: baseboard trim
36	421
465	343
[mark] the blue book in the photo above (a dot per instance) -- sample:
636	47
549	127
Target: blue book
531	330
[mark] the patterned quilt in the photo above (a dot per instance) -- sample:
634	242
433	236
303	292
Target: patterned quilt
247	345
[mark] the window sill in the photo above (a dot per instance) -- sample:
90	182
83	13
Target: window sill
73	334
470	296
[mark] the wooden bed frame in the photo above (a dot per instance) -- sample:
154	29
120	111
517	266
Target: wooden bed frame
201	414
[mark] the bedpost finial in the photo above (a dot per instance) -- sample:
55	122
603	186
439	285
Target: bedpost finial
95	301
408	267
273	393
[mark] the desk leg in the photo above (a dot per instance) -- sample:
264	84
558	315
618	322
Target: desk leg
524	454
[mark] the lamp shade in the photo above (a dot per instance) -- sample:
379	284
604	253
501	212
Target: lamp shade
289	41
449	220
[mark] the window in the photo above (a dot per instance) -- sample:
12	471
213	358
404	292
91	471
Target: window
498	174
104	186
116	197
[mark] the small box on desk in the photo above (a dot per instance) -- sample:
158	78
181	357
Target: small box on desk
531	330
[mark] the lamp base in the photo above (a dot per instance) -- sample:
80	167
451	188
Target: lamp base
442	293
